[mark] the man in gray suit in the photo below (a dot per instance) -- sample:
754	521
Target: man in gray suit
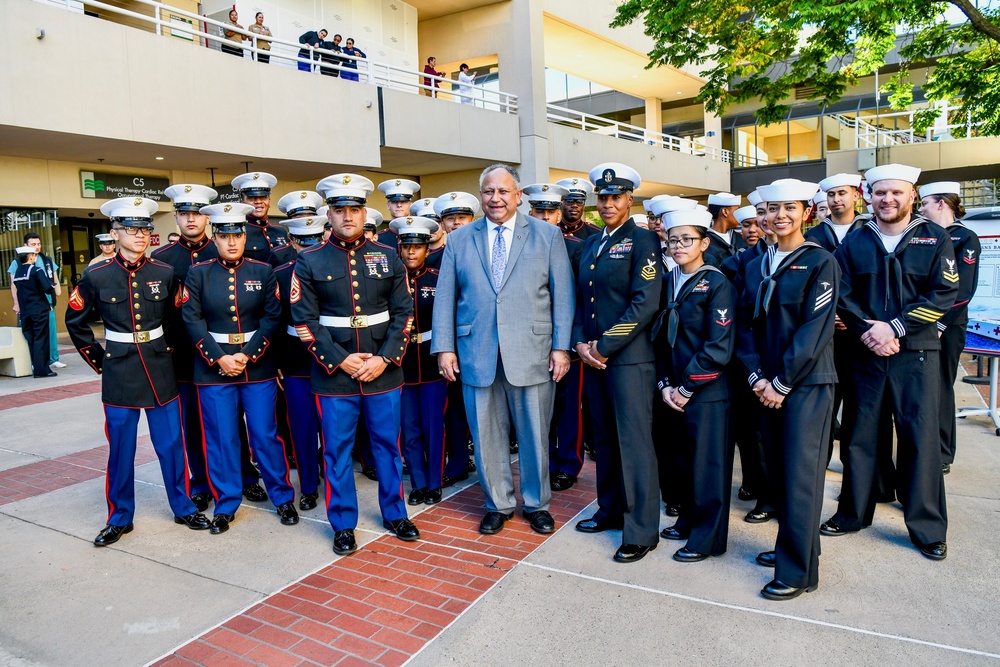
503	319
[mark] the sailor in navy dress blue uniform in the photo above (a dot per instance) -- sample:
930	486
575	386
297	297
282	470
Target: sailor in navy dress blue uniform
618	294
424	389
33	288
895	289
262	238
232	310
135	297
785	342
941	203
726	241
295	364
453	210
352	308
399	193
566	426
695	336
192	247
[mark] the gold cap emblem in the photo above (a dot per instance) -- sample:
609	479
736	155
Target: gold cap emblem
454	195
347	179
227	208
138	201
409	221
256	176
399	182
545	188
187	188
303	195
427	202
575	181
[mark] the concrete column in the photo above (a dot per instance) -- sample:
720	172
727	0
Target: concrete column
713	127
522	72
654	117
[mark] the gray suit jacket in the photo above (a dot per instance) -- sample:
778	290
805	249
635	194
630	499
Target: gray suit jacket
531	314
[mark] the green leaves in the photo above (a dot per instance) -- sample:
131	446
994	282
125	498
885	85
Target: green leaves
760	49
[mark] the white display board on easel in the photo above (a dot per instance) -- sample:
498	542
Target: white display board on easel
984	309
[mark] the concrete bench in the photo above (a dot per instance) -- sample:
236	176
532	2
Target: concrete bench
15	358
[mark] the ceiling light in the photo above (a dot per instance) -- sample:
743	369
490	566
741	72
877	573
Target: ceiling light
680	92
158	158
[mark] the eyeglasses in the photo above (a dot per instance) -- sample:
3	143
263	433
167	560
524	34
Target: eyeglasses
136	231
683	242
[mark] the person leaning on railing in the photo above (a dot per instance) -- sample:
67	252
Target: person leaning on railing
233	36
311	40
258	28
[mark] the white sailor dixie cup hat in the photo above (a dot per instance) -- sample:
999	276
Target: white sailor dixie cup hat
578	188
227	218
414	230
694	218
345	189
424	208
25	250
839	181
398	189
451	203
373	219
941	188
300	202
254	184
611	178
754	198
648	203
104	238
724	199
788	189
669	203
305	230
820	197
131	211
745	213
894	171
190	197
545	195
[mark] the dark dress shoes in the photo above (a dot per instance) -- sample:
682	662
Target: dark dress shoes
403	529
685	555
593	526
758	516
448	480
308	501
778	590
743	494
831	528
194	521
935	550
561	481
672	533
220	523
766	558
254	493
630	553
432	496
514	447
344	543
493	522
945	468
111	534
287	514
541	521
673	509
50	374
201	501
416	497
470	466
369	472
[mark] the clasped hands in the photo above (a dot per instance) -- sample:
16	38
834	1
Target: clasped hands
881	339
588	352
232	365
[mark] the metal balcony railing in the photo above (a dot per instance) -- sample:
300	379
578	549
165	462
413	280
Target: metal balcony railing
209	32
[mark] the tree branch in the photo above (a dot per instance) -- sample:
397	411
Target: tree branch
978	21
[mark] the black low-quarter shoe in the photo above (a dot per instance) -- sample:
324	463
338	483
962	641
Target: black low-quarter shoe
403	529
308	501
592	525
201	501
287	513
685	555
541	521
561	481
416	497
254	493
777	590
220	523
432	497
111	534
343	542
194	521
493	522
630	553
935	550
766	559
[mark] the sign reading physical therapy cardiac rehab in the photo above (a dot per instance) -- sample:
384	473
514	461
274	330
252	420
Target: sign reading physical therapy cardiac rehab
984	309
94	185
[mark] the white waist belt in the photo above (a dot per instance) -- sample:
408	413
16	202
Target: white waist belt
232	338
137	337
354	321
421	337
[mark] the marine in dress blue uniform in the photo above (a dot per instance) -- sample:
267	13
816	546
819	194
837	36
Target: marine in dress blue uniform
573	206
135	297
566	427
942	201
232	309
425	390
786	346
33	288
904	285
618	294
351	307
295	364
695	335
263	238
399	194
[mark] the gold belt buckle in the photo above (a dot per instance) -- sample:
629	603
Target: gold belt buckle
236	339
415	338
359	321
141	336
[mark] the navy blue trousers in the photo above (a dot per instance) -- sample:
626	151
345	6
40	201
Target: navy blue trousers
422	430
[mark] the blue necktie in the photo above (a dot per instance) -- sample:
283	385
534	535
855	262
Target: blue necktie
499	259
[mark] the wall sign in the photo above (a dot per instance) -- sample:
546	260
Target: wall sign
96	185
